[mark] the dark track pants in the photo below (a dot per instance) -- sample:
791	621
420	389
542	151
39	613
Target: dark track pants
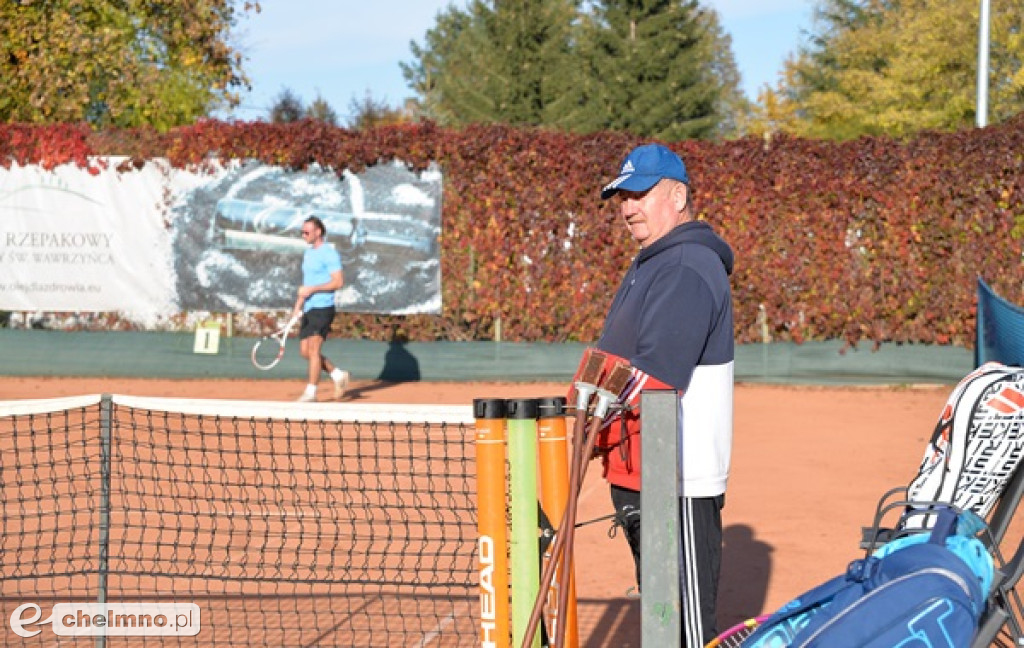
700	532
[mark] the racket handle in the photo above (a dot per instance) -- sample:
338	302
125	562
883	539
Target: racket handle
570	529
548	573
581	453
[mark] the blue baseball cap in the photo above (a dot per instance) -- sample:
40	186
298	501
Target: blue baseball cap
644	167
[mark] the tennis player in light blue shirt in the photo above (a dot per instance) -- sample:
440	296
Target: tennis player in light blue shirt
321	276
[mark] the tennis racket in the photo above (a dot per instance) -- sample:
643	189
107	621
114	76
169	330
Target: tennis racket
269	350
734	636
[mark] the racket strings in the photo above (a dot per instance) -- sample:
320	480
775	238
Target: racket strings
266	353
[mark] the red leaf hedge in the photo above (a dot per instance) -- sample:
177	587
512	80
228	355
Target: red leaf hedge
873	239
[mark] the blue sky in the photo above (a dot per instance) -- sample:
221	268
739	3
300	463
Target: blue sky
340	49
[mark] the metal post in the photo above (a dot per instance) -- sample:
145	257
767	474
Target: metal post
983	48
661	606
106	423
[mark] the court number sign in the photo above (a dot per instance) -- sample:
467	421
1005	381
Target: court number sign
207	338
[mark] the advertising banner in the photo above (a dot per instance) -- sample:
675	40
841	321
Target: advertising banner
73	241
159	240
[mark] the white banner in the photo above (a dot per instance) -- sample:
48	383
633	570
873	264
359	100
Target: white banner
72	241
152	242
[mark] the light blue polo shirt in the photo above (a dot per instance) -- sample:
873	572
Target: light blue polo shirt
317	266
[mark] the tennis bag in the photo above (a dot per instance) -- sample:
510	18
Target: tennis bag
977	444
921	591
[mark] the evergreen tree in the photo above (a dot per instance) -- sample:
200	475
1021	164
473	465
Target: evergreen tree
287	108
733	108
498	61
659	68
440	67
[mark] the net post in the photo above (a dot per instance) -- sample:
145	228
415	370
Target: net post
661	605
492	541
524	554
554	495
106	423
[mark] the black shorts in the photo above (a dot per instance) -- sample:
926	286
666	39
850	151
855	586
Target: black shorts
316	321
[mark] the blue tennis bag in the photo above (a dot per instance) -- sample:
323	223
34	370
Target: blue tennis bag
919	591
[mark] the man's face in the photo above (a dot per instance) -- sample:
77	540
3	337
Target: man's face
310	233
651	214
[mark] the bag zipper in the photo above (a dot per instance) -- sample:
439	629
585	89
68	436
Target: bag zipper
951	575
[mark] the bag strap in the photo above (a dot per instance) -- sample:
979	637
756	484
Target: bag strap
856	571
945	526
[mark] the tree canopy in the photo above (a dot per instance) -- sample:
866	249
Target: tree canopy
156	62
288	108
658	68
896	67
370	112
494	62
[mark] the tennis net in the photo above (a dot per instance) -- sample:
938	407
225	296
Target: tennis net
286	524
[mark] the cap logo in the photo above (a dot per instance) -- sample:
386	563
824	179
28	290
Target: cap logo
644	167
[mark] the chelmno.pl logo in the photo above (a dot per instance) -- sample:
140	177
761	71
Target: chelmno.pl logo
109	620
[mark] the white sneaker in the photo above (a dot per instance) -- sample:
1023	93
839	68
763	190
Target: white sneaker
340	384
306	398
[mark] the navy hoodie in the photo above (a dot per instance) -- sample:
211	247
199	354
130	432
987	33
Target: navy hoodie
671	319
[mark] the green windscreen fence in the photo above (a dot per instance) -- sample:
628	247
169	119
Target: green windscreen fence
171	355
1000	329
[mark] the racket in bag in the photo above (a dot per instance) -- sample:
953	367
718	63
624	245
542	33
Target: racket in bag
977	444
922	591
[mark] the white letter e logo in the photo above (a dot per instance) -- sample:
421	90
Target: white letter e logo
18	623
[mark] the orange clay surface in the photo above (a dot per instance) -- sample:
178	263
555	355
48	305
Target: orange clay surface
809	464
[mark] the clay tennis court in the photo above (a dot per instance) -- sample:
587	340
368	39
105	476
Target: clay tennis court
809	464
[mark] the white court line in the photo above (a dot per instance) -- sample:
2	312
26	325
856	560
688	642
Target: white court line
434	634
254	511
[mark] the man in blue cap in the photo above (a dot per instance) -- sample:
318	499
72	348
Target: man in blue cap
671	320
